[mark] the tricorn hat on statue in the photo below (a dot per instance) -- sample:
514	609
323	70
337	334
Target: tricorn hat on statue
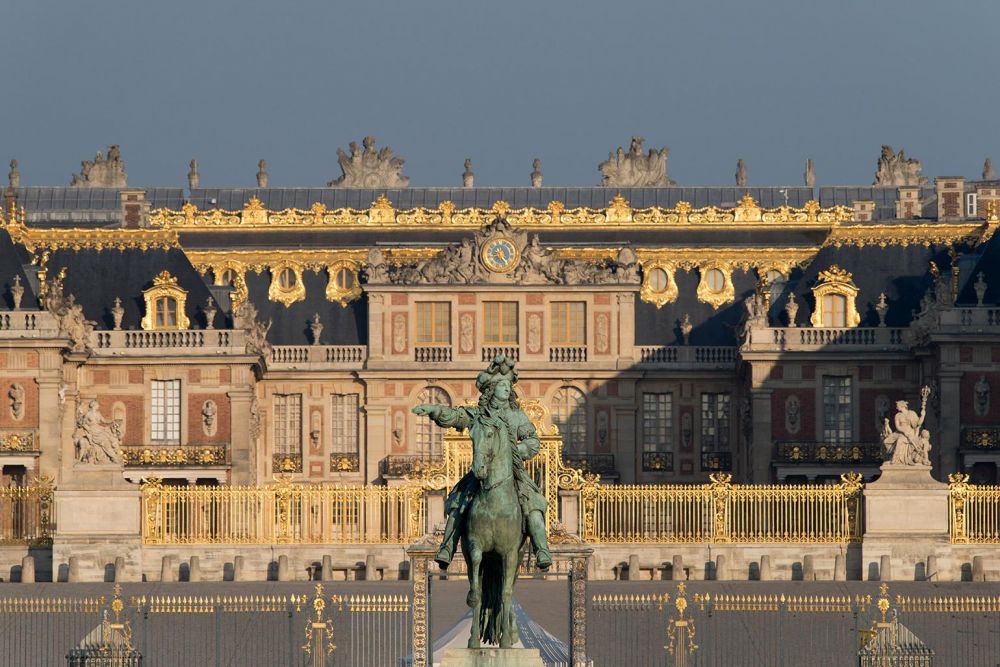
501	368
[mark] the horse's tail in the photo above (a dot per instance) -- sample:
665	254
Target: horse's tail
491	608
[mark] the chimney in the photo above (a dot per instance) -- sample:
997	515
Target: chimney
135	208
864	210
950	193
908	203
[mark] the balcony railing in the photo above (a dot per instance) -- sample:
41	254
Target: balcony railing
403	465
981	317
681	356
783	339
822	452
509	351
175	455
345	462
28	322
323	356
568	354
599	464
432	353
716	461
286	463
658	461
981	437
143	343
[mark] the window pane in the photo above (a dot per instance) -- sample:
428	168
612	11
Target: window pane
569	414
500	322
288	423
837	410
657	423
714	422
429	434
166	411
345	423
434	322
569	323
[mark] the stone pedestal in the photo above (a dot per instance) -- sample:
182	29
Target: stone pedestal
492	657
96	527
906	519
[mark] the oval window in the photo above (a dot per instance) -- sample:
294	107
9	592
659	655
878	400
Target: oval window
658	280
286	279
344	279
227	277
715	280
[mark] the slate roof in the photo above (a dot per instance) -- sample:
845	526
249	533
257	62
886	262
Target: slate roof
517	197
12	260
884	198
989	265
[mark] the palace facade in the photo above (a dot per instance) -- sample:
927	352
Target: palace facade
227	336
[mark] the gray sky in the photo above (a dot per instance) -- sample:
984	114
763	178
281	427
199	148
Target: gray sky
230	82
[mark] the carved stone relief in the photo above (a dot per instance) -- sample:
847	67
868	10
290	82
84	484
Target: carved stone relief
16	397
895	169
398	430
209	421
466	332
602	430
687	430
982	397
316	432
399	333
96	440
793	415
369	168
602	332
255	424
534	333
102	172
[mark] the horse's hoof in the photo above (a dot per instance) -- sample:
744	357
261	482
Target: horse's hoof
473	643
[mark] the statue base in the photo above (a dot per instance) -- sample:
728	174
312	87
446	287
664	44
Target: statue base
492	657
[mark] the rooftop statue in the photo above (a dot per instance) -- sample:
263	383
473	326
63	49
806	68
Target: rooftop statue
496	507
369	168
910	443
895	169
635	170
102	172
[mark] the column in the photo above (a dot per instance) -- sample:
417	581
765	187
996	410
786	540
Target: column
949	435
244	464
626	329
760	452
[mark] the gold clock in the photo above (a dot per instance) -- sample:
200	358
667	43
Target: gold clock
500	255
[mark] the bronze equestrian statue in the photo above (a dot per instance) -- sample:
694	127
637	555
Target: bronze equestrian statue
496	506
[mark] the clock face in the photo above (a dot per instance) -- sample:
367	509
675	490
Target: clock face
500	255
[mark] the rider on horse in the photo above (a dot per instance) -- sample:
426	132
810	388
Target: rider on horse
498	415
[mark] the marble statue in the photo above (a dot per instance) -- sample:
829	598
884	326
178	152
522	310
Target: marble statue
262	175
895	169
982	396
909	444
810	174
536	173
316	329
14	175
632	169
496	506
208	414
17	291
245	317
741	173
194	178
102	172
68	314
368	168
468	176
989	173
96	439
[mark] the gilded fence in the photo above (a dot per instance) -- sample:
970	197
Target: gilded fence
281	512
26	513
721	512
974	511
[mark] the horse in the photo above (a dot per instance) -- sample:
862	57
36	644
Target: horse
492	545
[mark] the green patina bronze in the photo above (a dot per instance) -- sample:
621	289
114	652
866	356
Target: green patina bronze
496	506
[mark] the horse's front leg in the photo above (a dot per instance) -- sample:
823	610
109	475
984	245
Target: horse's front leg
475	599
508	633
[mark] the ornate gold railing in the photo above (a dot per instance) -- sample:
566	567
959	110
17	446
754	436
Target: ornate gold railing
281	512
723	512
175	455
26	513
974	511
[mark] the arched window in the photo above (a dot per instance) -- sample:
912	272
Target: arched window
429	434
166	312
227	277
569	414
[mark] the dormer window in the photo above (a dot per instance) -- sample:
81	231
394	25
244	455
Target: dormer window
165	302
835	294
286	284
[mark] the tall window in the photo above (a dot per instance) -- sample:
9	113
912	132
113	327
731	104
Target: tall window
434	323
834	310
715	422
657	423
569	323
429	434
501	322
569	413
345	423
166	312
288	423
838	420
166	413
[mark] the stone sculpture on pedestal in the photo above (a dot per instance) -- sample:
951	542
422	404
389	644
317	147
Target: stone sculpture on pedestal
635	170
909	444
